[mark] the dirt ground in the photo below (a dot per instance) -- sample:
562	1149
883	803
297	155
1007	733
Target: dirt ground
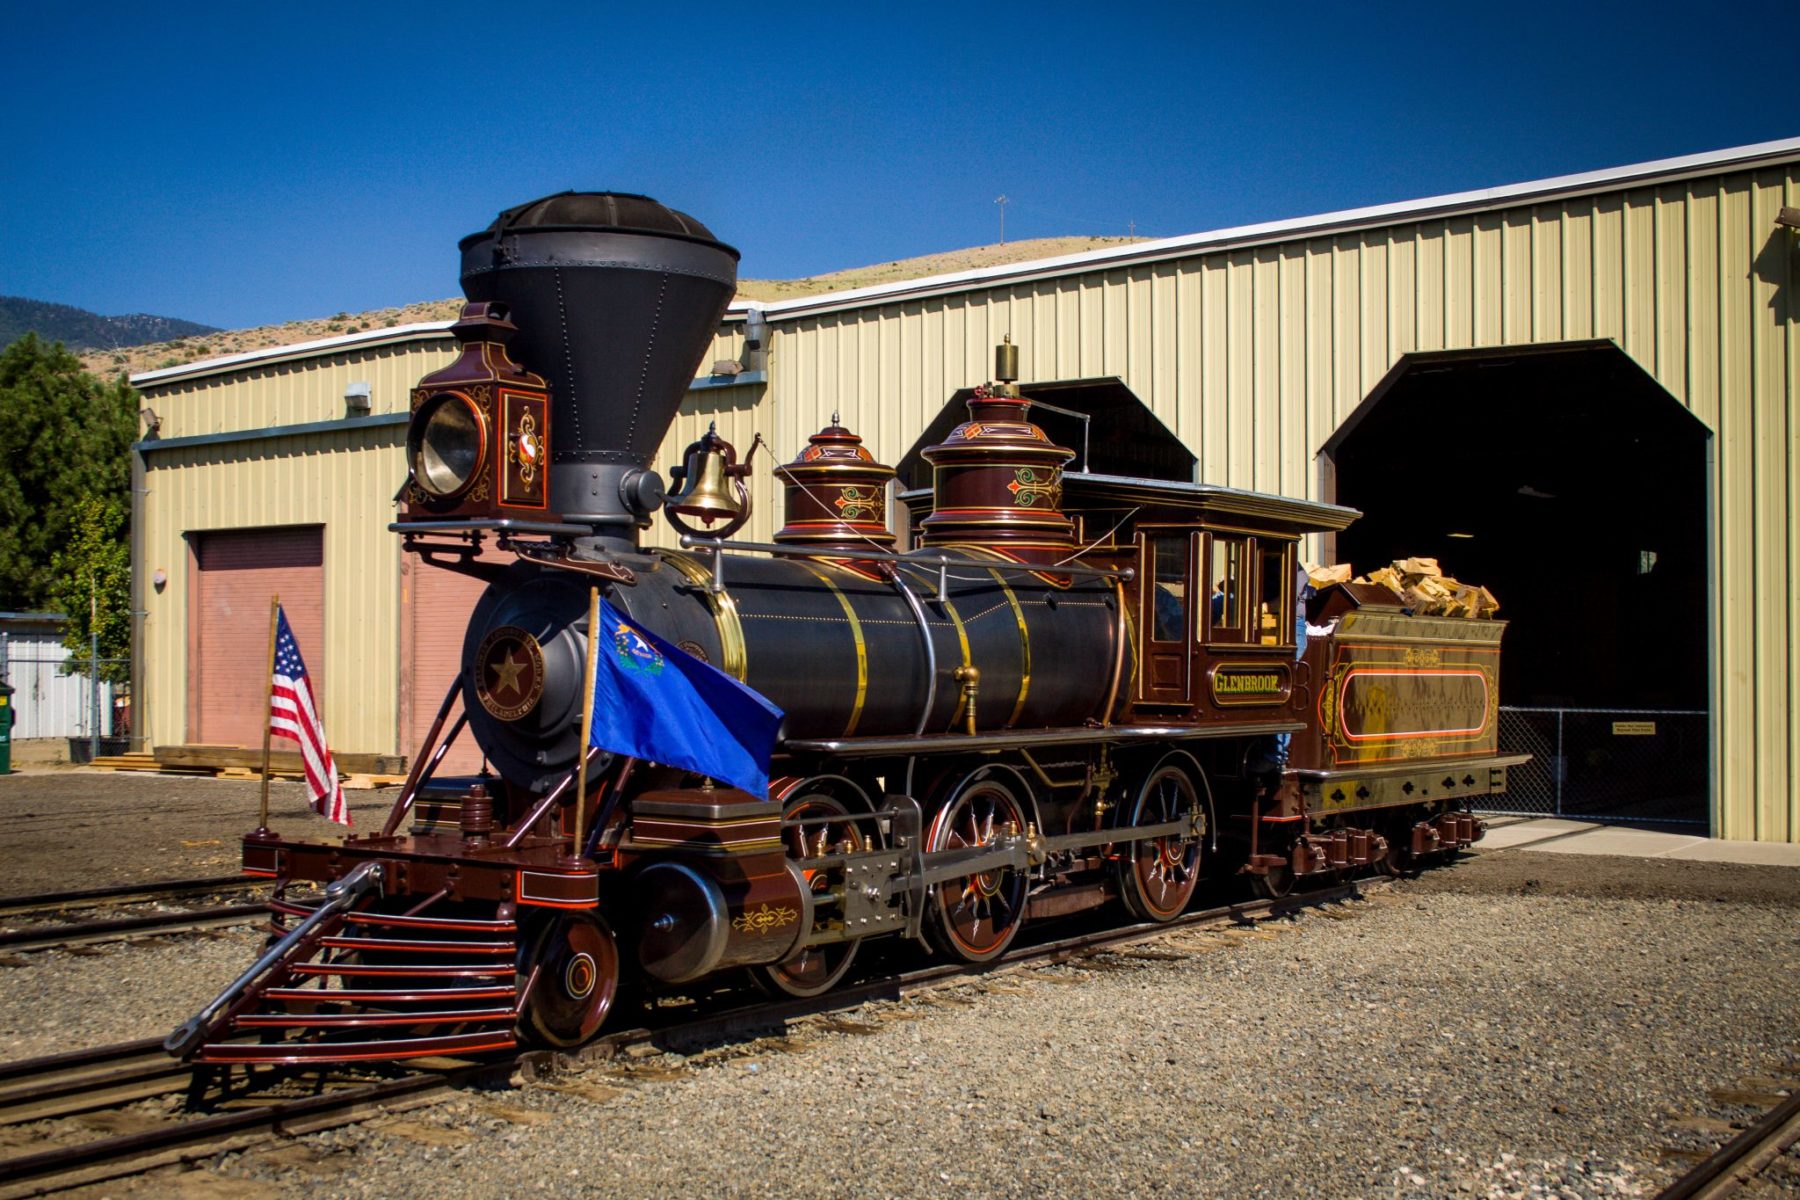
72	830
1523	872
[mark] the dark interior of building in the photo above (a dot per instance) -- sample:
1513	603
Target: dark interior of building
1573	487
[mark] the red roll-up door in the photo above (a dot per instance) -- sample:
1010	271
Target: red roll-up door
435	605
233	574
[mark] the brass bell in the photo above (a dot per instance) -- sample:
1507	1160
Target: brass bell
713	486
707	495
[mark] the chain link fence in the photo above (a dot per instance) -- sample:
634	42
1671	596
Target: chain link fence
1606	764
65	697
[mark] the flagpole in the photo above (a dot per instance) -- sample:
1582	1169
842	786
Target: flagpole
587	723
262	825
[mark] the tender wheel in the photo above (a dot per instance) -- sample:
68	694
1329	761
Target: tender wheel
816	970
1157	877
578	979
1273	885
1398	860
975	918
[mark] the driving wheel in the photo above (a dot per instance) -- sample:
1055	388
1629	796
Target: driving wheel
816	969
1157	876
976	917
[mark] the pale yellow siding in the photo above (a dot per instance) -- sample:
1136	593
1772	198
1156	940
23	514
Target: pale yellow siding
1253	355
298	391
341	480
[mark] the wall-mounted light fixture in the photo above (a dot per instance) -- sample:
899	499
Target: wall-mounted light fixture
1789	218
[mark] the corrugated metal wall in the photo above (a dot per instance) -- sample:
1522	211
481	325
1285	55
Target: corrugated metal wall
345	480
342	480
296	392
1254	355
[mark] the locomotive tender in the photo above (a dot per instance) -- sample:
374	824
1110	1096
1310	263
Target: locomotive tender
1069	691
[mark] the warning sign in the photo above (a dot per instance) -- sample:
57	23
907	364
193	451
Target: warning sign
1634	728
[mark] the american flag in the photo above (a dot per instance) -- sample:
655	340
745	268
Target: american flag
292	715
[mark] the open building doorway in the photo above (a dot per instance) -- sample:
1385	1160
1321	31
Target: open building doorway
1574	487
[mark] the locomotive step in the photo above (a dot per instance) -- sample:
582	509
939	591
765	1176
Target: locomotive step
293	1053
315	995
411	970
355	1020
401	921
419	945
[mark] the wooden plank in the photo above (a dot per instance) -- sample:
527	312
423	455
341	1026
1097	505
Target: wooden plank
284	761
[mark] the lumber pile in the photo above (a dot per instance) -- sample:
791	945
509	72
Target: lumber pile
1419	584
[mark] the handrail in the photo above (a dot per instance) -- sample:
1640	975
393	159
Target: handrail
913	559
342	894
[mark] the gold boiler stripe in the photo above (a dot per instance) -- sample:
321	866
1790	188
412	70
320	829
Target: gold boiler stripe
724	611
962	637
862	647
1024	648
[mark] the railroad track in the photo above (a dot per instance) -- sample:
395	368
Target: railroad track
53	930
14	907
1741	1159
68	1086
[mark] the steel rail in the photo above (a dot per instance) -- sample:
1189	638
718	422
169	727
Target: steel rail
124	894
111	1074
48	937
60	1085
1741	1159
130	1154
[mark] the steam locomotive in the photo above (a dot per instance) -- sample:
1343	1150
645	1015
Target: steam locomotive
1073	689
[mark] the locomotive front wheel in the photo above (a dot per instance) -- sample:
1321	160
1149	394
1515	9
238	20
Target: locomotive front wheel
817	969
1157	877
975	918
577	963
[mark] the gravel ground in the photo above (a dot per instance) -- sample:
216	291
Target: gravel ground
70	830
1518	1025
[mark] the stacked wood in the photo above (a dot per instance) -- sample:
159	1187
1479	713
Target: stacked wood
1419	584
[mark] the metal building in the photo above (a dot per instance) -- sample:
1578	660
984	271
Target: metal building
1576	390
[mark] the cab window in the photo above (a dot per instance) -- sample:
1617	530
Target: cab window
1227	580
1275	618
1169	572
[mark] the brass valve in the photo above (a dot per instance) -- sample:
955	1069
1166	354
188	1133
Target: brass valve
970	678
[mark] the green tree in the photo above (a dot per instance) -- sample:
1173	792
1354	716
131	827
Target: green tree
64	436
92	585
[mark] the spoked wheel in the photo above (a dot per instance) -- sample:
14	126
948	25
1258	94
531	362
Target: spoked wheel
1157	876
1274	884
818	969
975	918
578	979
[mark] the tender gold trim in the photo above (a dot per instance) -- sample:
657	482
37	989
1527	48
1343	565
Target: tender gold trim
724	611
862	646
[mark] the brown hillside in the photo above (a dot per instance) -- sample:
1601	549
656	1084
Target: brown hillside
133	359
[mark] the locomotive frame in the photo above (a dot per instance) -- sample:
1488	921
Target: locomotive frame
1077	689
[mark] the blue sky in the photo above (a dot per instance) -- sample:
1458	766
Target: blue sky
244	164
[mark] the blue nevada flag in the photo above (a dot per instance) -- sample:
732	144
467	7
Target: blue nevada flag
658	702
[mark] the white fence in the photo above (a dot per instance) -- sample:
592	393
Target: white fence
46	702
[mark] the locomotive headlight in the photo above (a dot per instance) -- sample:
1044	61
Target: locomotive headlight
446	444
